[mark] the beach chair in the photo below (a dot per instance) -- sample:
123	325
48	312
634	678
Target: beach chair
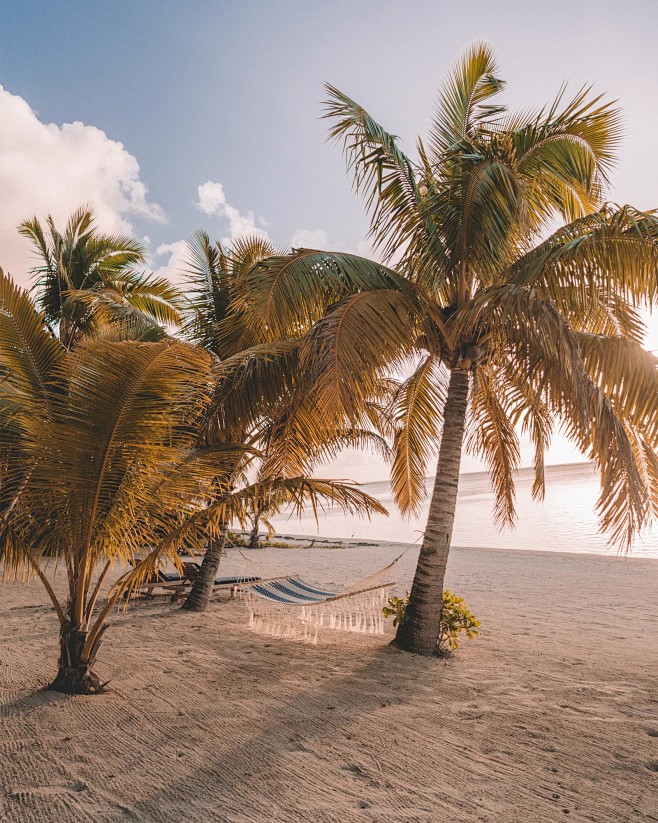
171	583
176	584
191	570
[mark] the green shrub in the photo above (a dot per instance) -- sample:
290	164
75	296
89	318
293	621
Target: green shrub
455	618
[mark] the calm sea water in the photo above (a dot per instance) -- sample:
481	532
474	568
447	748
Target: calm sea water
565	521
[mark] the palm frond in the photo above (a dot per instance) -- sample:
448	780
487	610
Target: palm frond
153	296
359	439
546	354
283	297
492	437
628	376
357	342
297	494
29	354
417	409
128	407
212	273
106	314
253	385
604	256
569	151
462	106
528	410
480	220
384	174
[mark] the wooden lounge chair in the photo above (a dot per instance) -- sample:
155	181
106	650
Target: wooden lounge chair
171	583
176	584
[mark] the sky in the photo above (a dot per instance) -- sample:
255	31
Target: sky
170	115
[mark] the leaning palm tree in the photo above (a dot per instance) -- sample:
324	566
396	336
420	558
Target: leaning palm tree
87	280
100	465
501	325
257	405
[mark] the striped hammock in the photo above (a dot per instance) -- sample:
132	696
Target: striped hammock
291	590
290	607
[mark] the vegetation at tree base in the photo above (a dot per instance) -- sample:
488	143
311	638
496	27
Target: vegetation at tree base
501	325
455	619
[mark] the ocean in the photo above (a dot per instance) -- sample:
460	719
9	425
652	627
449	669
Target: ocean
564	522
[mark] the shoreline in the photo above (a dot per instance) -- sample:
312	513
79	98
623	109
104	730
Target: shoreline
353	542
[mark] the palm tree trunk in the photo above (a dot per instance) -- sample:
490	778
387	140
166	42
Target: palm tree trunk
254	543
74	675
199	598
419	633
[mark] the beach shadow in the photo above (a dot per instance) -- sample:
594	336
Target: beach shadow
33	700
387	677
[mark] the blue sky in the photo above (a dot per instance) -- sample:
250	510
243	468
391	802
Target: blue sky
230	92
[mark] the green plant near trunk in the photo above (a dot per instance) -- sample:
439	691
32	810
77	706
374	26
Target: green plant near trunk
455	619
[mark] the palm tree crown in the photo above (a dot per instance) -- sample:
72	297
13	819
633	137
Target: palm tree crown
87	281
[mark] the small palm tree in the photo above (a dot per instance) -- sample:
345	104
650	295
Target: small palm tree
88	281
260	513
99	466
497	328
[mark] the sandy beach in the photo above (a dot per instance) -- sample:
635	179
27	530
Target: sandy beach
551	714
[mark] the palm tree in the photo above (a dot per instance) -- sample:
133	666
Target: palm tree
98	466
295	493
260	513
87	281
258	405
498	329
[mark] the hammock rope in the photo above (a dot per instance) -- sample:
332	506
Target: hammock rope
288	606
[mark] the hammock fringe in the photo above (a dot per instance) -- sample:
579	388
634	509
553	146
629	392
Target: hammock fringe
290	608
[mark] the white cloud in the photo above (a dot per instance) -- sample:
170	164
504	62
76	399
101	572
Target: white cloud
310	239
51	169
211	197
212	201
173	269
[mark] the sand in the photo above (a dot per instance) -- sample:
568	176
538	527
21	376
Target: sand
551	714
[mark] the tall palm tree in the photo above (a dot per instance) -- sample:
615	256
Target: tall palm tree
88	280
500	323
257	403
100	465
